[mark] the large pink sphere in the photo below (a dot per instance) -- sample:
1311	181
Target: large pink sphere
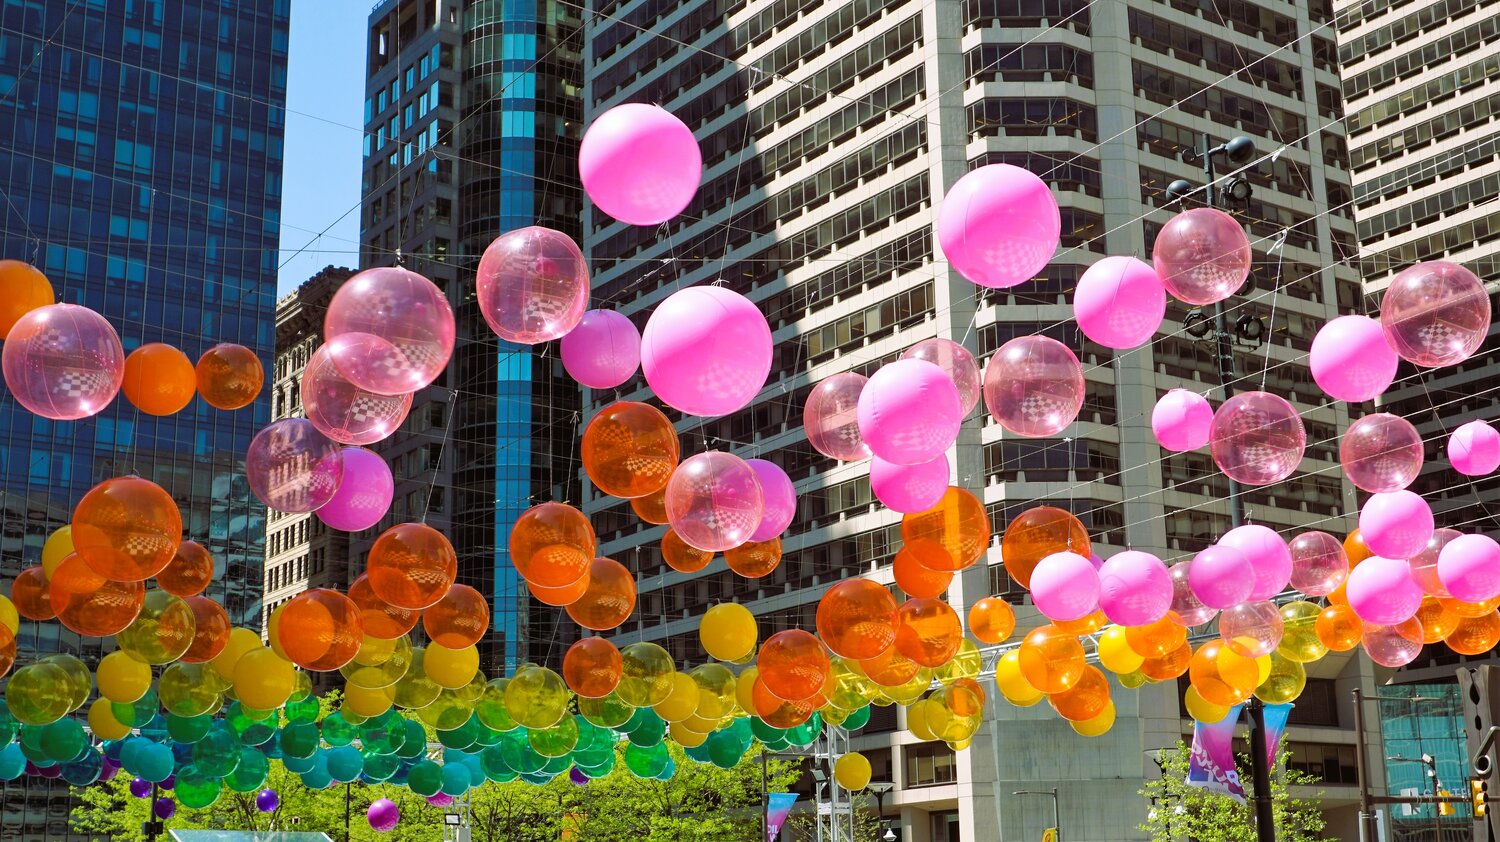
956	361
1424	565
1257	438
403	325
909	412
1435	314
1202	256
999	225
603	351
1065	586
1470	568
532	285
1350	359
1393	646
714	501
830	417
1396	524
706	350
1381	452
1120	302
1135	588
1381	591
341	410
1474	449
1221	576
1187	609
1270	557
63	362
780	506
1252	628
1181	420
292	467
640	164
1033	386
1319	563
383	815
364	494
909	488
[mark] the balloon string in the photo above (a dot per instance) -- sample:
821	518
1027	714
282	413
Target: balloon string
1280	248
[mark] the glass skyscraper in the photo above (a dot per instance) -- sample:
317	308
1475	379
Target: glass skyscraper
140	169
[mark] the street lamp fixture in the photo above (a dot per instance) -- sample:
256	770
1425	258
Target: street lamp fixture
1056	820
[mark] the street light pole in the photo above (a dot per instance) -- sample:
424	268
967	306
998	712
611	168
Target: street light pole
1056	816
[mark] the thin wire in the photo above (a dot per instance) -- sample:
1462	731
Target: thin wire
1280	249
37	56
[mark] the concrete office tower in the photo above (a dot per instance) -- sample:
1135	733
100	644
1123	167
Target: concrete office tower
830	131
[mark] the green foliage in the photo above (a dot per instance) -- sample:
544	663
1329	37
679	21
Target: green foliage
1178	811
802	826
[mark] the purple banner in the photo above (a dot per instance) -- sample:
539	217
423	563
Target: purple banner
780	806
1276	716
1211	765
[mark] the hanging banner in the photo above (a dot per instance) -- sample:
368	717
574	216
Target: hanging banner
780	807
1276	716
1211	765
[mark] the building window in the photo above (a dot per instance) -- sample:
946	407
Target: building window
929	764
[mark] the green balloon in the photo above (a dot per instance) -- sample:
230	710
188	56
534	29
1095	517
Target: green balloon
252	731
804	734
516	748
556	741
649	730
602	769
557	765
425	778
338	731
536	697
382	735
187	729
595	747
64	739
646	762
858	719
492	763
218	753
80	680
184	690
458	739
196	789
9	727
31	744
251	772
724	750
490	708
299	740
380	767
138	712
415	744
39	693
764	732
302	710
606	712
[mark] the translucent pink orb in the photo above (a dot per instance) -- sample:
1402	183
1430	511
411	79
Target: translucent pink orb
1252	629
1435	314
341	410
1257	438
1034	386
714	501
533	285
831	417
1202	256
1381	452
640	164
292	467
956	361
1470	568
1187	609
603	351
404	327
998	225
1181	420
63	361
1319	564
1394	645
1424	565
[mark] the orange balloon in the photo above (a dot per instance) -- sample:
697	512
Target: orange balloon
1086	699
592	667
380	618
552	545
32	594
212	632
992	620
629	449
1156	639
754	559
127	529
857	619
1037	533
928	631
890	668
1339	628
7	649
1051	660
969	700
1168	666
1356	548
1221	675
1475	635
189	571
90	604
23	288
411	565
778	712
652	508
609	598
229	376
1438	619
913	575
682	556
458	620
793	664
559	597
321	630
958	525
159	379
1087	624
1469	610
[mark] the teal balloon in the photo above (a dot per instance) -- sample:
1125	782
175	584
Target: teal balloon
556	765
415	744
302	710
12	762
345	763
425	778
765	733
594	746
516	748
85	769
138	712
251	772
668	771
538	778
776	745
858	719
188	729
251	730
638	718
299	765
337	731
698	753
458	738
299	740
649	732
64	739
599	770
804	734
380	767
218	753
9	727
484	735
30	741
558	740
724	749
382	734
646	762
154	762
492	761
155	729
317	777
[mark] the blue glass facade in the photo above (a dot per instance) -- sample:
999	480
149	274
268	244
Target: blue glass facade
1417	720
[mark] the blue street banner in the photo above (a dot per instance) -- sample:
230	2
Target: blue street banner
780	807
1276	716
1211	765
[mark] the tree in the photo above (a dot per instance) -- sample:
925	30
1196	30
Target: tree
1178	811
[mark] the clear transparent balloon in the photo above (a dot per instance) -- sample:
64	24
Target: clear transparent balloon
1257	438
1381	452
1033	386
533	285
830	417
1319	564
1435	314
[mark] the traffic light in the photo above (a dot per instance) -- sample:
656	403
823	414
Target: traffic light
1478	791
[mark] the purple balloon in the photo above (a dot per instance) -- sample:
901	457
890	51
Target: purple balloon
169	782
383	815
140	787
164	808
1470	568
267	801
1350	359
1396	524
1474	449
1381	591
706	351
440	799
1135	588
364	495
577	776
909	488
51	772
1221	576
1065	586
1269	557
780	499
293	467
1181	420
603	351
1119	302
909	412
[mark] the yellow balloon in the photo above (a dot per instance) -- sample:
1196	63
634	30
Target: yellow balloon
1263	667
744	688
682	702
1133	680
1284	684
451	668
1201	709
852	771
122	678
1115	653
273	632
366	701
684	736
1097	726
965	664
262	680
916	720
728	631
9	616
912	690
960	745
103	723
240	642
1013	685
58	547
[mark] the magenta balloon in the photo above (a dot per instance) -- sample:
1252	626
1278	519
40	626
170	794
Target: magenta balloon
1424	565
956	361
909	488
1350	359
1269	557
1120	302
1065	586
292	467
1257	438
1252	628
1435	314
364	495
1319	564
909	412
706	350
409	324
1396	524
1033	386
1187	609
63	362
999	225
440	799
640	164
1470	568
1393	646
780	506
1381	590
1381	452
1202	256
383	815
1181	420
1221	576
341	410
714	501
603	351
1135	588
532	284
1474	449
831	417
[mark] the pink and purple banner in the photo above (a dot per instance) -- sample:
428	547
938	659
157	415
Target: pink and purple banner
1211	765
779	807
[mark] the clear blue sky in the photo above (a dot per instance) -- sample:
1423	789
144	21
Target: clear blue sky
325	108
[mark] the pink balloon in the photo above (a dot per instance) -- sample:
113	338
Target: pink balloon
1319	564
909	488
714	501
640	164
1135	588
1221	576
1435	314
1393	646
909	412
440	799
780	497
532	284
1257	438
292	467
1269	557
1119	302
603	351
364	495
1033	386
1424	565
1202	256
1350	359
1381	452
341	410
1252	628
1065	586
404	325
63	362
1181	420
999	225
830	417
1381	590
1187	609
1474	449
384	815
706	351
1396	524
1470	568
956	361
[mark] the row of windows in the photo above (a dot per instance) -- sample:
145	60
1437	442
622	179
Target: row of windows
1189	44
1251	19
882	155
1167	88
1029	63
1475	113
297	569
1040	116
1400	30
1434	90
1447	48
1017	14
865	271
390	95
1475	152
1454	236
1043	460
841	124
824	34
1430	209
1061	171
865	326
